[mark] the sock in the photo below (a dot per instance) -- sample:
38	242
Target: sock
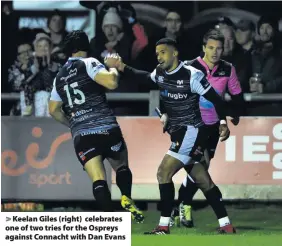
214	198
167	198
164	221
224	221
181	194
124	180
102	195
186	194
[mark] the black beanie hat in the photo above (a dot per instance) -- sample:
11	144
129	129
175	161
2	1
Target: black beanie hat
269	20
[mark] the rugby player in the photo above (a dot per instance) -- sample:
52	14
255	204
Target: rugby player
79	88
222	76
180	88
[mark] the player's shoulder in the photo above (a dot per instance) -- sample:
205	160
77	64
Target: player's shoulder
196	63
194	72
190	62
92	61
225	64
92	64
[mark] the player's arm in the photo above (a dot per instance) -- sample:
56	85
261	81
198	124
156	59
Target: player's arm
130	72
137	75
218	103
97	72
237	96
201	86
55	107
108	79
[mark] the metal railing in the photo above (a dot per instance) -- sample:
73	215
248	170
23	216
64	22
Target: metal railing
153	98
254	97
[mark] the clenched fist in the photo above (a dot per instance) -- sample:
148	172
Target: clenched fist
113	61
224	132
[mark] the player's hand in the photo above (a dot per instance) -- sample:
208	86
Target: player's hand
235	120
224	132
113	61
164	121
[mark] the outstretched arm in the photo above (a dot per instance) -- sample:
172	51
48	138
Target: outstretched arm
115	61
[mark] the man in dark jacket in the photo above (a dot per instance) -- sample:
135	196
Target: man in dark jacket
267	64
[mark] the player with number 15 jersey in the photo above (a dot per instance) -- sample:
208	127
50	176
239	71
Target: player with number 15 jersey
84	101
79	88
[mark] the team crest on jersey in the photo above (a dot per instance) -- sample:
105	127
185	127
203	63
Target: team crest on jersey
179	82
221	73
160	79
174	145
116	147
94	64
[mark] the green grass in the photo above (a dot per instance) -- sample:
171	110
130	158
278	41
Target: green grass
255	227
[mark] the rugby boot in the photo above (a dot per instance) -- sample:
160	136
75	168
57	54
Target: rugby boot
174	218
159	230
186	216
128	205
227	229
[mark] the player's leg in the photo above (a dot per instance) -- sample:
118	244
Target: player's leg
119	163
186	192
168	167
203	180
188	187
183	141
213	195
96	172
118	158
87	151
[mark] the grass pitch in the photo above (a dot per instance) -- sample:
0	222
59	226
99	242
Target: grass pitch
255	227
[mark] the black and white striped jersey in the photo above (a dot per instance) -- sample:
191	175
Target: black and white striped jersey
84	100
180	91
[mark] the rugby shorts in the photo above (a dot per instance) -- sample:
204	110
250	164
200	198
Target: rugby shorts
188	144
107	143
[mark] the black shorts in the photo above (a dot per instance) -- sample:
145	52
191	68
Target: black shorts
188	143
213	131
108	143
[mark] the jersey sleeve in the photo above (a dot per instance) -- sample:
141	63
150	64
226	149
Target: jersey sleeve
234	86
93	66
153	75
139	75
199	84
54	94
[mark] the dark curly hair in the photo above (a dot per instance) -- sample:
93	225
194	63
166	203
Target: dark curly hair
76	41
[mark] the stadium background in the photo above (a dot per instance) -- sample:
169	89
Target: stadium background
39	169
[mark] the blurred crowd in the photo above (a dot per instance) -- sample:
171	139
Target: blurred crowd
253	48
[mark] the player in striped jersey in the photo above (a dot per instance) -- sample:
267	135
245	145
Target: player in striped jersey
180	87
79	88
222	77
